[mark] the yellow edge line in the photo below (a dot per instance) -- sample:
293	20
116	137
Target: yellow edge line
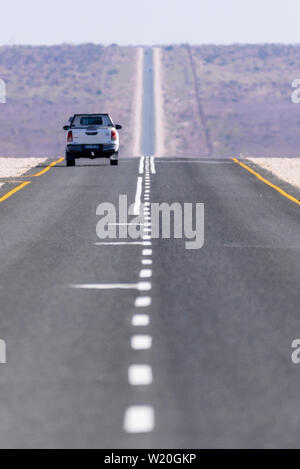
282	192
47	169
9	194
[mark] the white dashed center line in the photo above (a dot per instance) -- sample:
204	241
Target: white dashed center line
143	302
147	261
139	419
146	273
140	375
140	320
141	342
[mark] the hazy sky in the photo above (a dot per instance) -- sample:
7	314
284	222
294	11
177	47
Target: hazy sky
149	21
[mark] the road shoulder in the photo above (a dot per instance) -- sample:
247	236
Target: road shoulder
289	188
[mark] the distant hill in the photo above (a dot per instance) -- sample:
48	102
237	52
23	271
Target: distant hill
45	85
232	100
218	100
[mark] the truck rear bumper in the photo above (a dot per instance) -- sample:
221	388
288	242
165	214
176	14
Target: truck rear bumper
92	151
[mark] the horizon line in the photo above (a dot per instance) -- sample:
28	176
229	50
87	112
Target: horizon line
162	45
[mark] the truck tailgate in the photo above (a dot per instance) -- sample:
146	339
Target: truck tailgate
92	136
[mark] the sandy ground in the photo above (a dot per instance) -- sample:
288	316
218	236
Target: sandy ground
138	103
287	169
14	167
159	108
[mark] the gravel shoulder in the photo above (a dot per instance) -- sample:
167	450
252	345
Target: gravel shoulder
15	167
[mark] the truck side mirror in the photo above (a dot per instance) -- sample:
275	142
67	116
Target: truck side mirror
118	127
66	127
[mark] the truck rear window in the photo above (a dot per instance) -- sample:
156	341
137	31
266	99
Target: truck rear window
88	120
91	121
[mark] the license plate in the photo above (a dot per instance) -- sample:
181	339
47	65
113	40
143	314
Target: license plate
92	147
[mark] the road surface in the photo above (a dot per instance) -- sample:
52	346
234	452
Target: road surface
219	322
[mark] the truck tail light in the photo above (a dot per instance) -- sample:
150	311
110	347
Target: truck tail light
70	136
114	135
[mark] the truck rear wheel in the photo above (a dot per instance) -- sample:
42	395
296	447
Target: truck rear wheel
115	161
70	160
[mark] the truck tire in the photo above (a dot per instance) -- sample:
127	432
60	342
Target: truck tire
70	160
115	161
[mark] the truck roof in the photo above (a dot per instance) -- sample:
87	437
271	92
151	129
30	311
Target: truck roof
93	114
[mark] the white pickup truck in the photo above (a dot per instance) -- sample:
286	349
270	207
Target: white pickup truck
92	136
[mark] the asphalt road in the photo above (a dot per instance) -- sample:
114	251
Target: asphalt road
222	318
218	370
